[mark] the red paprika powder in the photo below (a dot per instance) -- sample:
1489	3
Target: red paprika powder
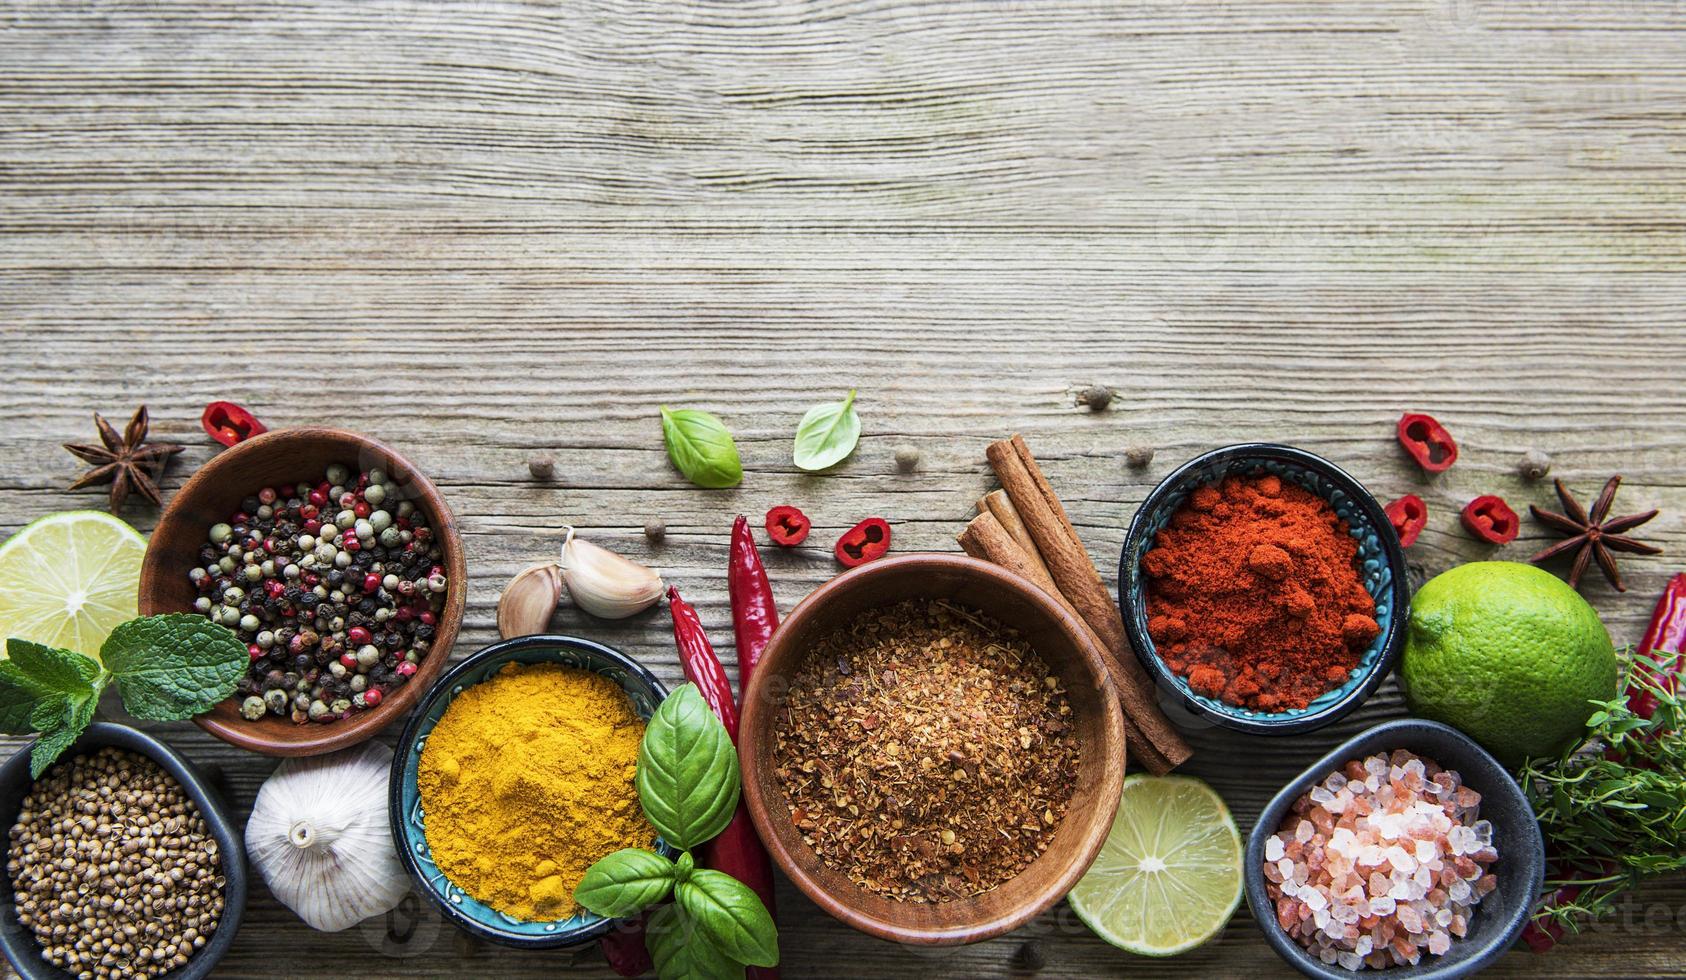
1254	596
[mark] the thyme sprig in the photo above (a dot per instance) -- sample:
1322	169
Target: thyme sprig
1613	809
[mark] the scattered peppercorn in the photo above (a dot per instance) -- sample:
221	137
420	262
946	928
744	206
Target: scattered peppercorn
1096	397
114	869
655	530
334	587
542	467
1029	958
907	458
1137	457
1534	465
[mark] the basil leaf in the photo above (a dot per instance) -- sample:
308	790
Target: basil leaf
701	447
827	434
681	950
627	881
173	666
687	770
54	741
732	916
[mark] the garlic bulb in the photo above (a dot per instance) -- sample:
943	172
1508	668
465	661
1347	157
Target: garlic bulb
320	838
529	600
604	583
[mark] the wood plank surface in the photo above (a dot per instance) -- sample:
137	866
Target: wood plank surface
485	229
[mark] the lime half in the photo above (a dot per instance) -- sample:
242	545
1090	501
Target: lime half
1169	876
67	580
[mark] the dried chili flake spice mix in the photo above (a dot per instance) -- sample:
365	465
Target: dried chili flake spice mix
926	751
1254	595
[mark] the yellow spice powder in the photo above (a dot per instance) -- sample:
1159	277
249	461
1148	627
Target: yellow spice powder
527	781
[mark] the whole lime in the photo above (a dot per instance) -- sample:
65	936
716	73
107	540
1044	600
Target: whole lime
1508	654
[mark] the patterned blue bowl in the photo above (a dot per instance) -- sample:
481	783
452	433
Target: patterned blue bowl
408	821
1382	569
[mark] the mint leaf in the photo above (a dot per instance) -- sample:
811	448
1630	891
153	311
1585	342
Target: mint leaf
53	742
681	949
63	671
627	881
19	697
731	915
173	666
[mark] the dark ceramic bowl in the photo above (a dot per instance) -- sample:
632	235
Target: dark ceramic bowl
1381	568
1500	917
19	943
409	827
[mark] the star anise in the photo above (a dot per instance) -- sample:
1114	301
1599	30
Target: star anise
1595	536
127	462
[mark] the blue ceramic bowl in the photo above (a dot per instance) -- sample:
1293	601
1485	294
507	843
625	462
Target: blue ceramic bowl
1500	917
1382	570
408	821
19	943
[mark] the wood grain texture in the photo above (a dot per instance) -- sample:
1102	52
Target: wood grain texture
487	228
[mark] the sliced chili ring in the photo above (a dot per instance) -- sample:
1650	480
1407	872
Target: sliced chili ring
229	423
1409	515
1491	520
862	543
1428	442
787	526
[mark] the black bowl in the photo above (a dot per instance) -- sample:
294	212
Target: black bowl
1381	569
18	941
1500	917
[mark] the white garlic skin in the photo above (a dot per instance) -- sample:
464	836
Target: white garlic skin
606	584
319	836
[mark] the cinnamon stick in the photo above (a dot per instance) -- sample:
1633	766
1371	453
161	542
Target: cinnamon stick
998	503
1074	574
984	538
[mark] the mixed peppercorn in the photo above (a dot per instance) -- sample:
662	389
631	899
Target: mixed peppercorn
336	588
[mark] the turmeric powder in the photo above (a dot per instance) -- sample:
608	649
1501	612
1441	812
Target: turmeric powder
526	781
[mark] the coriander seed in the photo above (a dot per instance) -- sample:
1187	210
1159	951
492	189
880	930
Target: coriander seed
1138	456
907	458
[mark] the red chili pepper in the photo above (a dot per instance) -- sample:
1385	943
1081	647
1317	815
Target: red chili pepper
1409	516
1665	635
228	423
1491	520
623	947
754	613
787	526
737	850
862	543
1428	442
702	667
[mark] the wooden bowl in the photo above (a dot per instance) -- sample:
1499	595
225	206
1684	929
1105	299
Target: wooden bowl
1053	633
215	491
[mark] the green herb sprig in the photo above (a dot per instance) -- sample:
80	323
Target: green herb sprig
827	434
166	667
688	784
1613	809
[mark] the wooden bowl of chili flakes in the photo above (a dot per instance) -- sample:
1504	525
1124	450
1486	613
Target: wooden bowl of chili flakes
932	749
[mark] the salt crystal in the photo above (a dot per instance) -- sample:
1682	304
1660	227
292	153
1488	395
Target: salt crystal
1409	918
1439	943
1351	961
1290	887
1328	956
1458	890
1364	945
1443	918
1336	781
1316	899
1273	849
1321	796
1425	851
1382	906
1303	831
1375	765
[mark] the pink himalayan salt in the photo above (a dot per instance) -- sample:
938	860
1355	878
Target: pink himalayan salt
1381	862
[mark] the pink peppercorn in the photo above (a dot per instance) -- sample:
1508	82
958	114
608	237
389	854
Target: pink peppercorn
405	669
349	660
318	498
371	582
372	696
427	618
275	587
312	525
254	651
357	634
361	508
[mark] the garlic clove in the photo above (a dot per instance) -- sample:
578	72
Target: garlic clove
606	584
529	601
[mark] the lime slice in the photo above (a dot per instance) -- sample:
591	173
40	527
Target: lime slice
67	580
1169	876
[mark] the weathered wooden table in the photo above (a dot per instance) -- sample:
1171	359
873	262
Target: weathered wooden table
484	230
